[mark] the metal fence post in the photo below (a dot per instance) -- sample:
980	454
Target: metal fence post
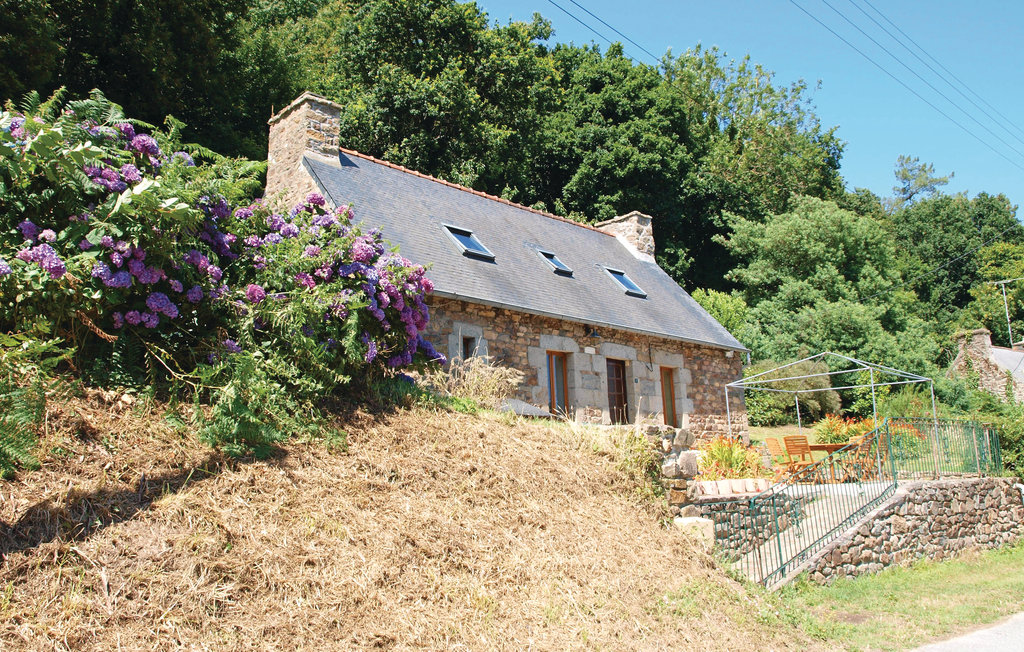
974	439
778	537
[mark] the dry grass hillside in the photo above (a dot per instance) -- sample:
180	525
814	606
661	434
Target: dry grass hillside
431	531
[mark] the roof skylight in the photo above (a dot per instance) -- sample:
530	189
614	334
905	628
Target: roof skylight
553	260
468	242
625	282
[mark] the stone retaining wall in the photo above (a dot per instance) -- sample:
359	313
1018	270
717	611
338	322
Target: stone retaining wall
736	531
937	519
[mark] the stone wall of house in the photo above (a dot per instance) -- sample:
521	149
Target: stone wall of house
936	519
522	341
974	358
307	125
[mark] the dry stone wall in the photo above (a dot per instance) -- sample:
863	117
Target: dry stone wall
522	340
937	519
974	358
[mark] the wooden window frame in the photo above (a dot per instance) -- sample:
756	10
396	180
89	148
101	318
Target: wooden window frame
563	358
668	397
473	346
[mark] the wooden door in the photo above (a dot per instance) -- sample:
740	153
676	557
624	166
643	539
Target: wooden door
617	407
558	384
668	396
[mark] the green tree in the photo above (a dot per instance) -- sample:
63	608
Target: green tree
937	241
914	179
820	278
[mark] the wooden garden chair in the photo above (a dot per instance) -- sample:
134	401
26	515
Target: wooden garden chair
782	463
799	451
860	462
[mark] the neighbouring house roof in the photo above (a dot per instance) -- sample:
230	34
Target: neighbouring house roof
413	209
1010	361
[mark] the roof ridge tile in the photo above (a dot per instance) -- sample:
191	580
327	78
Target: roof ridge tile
502	200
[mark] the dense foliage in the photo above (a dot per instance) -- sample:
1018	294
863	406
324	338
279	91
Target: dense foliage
125	250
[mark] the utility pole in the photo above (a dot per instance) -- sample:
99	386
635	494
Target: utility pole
1006	305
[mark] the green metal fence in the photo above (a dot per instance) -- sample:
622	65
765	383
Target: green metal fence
767	536
927	448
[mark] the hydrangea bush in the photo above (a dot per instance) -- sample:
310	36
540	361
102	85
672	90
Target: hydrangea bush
110	233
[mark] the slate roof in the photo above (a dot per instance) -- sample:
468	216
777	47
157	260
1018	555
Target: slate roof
412	208
1010	361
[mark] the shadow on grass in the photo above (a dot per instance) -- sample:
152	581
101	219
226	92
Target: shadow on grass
78	514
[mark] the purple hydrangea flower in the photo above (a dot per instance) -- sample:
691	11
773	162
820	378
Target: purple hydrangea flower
150	320
133	317
184	157
362	252
289	230
127	130
107	241
193	257
371	348
273	239
47	235
116	259
29	231
118	320
121	279
47	258
130	173
176	285
275	222
254	293
145	144
252	241
159	303
101	271
315	199
215	272
243	213
231	346
85	245
194	295
305	279
311	251
5	268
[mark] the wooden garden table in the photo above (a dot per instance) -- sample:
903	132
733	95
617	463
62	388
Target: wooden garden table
828	449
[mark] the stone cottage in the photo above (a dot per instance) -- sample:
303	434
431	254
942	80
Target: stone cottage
999	370
601	332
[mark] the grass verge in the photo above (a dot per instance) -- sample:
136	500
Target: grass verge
901	608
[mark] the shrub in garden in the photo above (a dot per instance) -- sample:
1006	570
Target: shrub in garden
722	458
110	234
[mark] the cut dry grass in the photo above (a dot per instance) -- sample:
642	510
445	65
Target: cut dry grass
434	531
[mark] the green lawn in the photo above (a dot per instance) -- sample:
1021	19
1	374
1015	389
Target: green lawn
901	608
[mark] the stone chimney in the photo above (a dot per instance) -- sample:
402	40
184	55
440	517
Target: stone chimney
976	344
634	231
309	125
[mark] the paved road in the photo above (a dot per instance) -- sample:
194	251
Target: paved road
1007	636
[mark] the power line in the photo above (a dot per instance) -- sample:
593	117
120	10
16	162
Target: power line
580	21
904	85
930	67
656	60
944	68
926	82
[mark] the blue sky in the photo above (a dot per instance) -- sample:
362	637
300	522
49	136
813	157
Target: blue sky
978	41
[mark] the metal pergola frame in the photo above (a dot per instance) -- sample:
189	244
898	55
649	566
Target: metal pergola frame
752	383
